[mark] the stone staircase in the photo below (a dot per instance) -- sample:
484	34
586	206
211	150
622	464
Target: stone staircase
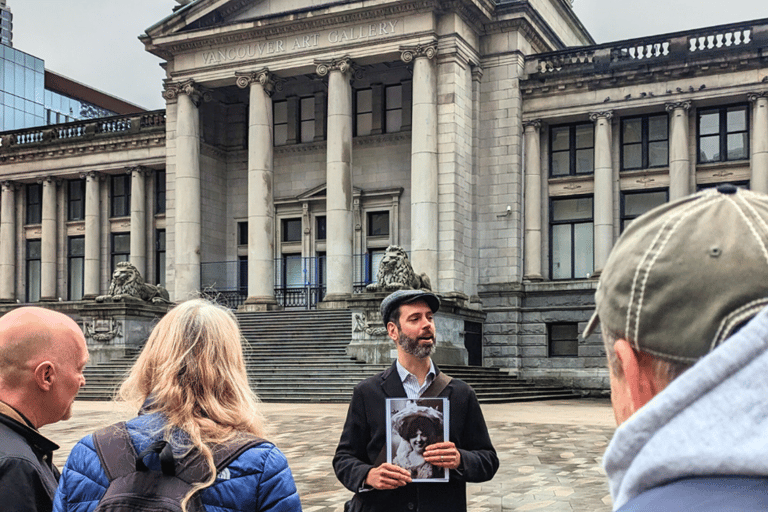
299	356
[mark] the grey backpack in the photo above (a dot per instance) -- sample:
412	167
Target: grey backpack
134	487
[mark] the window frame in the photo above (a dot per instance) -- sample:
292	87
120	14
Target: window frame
551	341
72	203
160	256
369	221
28	263
34	213
116	254
126	195
358	113
70	259
275	124
386	108
723	132
284	229
623	217
645	141
300	136
572	149
160	191
572	222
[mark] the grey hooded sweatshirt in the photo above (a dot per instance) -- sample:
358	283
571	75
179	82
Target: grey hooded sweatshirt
710	424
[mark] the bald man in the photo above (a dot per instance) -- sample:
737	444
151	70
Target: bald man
42	358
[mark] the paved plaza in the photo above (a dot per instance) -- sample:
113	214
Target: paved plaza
550	452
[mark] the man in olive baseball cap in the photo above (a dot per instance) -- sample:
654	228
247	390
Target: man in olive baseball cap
681	306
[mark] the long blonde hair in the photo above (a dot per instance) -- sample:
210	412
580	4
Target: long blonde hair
192	371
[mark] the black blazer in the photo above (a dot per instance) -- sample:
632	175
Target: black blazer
365	433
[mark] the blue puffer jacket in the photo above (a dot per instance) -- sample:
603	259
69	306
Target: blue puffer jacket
259	480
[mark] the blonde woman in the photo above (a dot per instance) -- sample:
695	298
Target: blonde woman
191	385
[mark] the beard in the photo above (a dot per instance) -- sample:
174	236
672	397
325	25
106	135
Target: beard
414	347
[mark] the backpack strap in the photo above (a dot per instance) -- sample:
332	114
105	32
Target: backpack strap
192	467
115	450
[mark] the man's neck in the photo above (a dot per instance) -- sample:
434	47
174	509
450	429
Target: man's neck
417	366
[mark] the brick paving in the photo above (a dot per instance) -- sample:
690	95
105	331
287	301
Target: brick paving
550	452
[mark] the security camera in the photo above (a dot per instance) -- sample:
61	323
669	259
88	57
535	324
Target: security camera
509	209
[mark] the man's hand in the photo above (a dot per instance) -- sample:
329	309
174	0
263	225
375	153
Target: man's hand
443	455
387	477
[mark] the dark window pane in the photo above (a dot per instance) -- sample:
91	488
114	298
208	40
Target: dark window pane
637	204
291	230
364	100
394	97
560	138
280	112
709	123
585	161
563	340
658	128
394	121
585	137
633	130
561	164
737	120
364	124
242	233
33	249
378	224
658	154
307	131
281	134
121	243
77	246
737	146
321	233
160	192
308	108
572	209
633	157
709	149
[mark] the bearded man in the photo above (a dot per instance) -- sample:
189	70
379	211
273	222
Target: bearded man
359	461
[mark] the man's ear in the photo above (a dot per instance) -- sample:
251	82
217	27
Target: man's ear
638	374
393	331
45	375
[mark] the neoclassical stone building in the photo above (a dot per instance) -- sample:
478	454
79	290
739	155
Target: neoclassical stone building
494	141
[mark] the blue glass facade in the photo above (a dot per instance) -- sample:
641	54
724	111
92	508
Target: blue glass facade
22	95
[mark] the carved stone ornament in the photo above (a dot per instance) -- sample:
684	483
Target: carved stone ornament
671	107
102	331
754	96
195	91
8	186
128	286
361	324
594	116
533	123
409	53
269	81
396	273
91	175
343	64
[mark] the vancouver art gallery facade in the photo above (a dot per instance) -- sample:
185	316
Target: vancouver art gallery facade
495	142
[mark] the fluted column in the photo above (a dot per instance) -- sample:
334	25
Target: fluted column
48	242
261	201
679	160
759	178
139	219
339	178
92	260
533	200
424	170
188	214
603	199
8	243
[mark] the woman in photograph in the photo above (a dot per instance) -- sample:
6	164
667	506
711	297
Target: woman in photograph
418	427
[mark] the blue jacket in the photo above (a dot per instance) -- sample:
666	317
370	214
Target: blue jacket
259	480
704	494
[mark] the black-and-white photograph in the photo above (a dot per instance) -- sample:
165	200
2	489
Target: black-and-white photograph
414	425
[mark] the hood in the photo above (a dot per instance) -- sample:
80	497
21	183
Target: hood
711	420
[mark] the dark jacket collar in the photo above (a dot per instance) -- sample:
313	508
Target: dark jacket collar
14	420
391	383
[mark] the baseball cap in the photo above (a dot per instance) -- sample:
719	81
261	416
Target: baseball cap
396	299
686	275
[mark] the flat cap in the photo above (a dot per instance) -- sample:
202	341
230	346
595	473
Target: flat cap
400	297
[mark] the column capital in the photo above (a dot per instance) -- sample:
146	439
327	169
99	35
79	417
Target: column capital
49	180
8	185
671	107
595	116
269	81
140	169
409	53
532	123
754	96
344	64
93	175
195	91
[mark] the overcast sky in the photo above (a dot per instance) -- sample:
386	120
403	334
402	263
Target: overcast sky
95	41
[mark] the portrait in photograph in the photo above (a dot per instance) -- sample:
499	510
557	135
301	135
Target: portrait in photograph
415	424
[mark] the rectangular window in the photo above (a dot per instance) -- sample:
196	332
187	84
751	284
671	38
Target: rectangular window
644	142
307	119
34	203
723	134
393	108
160	257
280	122
76	200
634	204
242	233
120	195
571	238
363	112
321	232
378	223
242	275
563	339
572	149
373	263
121	248
75	265
291	230
33	270
160	192
293	275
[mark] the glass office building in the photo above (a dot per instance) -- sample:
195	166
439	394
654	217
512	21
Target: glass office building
6	24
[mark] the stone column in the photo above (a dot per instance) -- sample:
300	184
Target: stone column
48	241
759	177
533	200
603	198
424	171
8	245
92	260
188	215
139	220
679	160
339	178
261	201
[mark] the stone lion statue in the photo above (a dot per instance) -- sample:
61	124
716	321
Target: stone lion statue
128	286
396	273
